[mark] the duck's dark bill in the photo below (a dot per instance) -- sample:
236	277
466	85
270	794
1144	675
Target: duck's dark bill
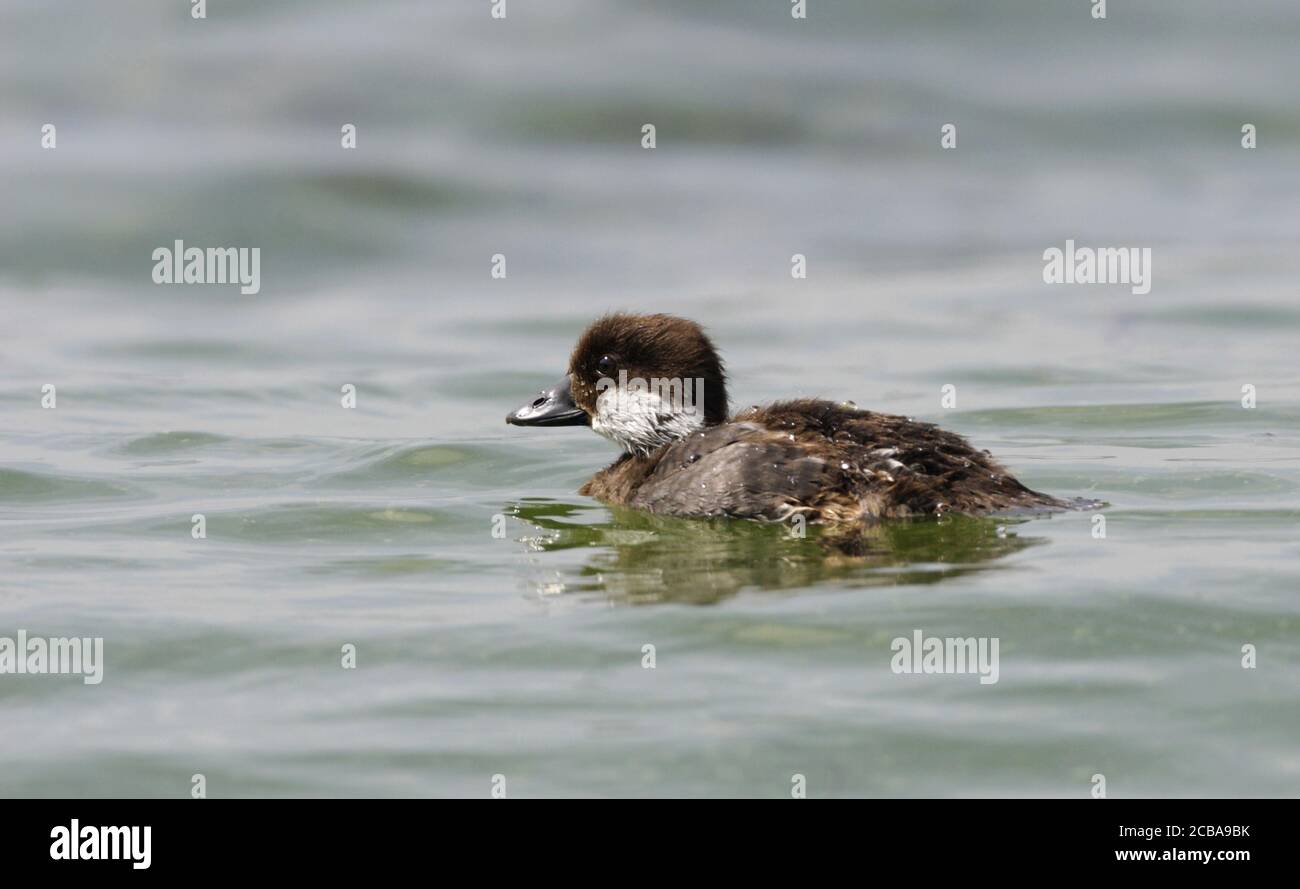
553	407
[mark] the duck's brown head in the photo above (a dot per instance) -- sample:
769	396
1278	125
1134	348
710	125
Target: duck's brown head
639	380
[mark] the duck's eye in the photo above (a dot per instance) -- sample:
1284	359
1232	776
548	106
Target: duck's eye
605	365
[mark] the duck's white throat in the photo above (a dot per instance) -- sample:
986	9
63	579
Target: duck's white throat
641	419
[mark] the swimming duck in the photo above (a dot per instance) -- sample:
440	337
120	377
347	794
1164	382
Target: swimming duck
655	385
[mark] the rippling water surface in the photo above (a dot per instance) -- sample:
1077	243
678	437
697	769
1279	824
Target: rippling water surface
522	655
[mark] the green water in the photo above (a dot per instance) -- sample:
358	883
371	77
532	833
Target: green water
521	655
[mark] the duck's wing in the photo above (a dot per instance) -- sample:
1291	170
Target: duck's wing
743	470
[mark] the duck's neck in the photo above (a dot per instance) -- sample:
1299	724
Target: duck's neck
642	422
618	481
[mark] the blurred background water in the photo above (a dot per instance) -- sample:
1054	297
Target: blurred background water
522	656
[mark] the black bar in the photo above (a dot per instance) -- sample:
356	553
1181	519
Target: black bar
211	838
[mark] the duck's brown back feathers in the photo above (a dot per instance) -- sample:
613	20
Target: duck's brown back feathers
830	462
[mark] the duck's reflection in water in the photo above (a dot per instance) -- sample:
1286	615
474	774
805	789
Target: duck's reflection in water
637	557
